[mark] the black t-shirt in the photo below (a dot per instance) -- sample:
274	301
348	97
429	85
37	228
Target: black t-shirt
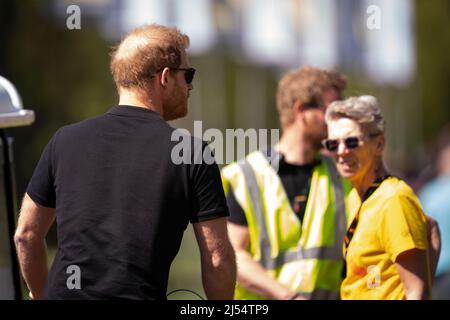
122	204
296	181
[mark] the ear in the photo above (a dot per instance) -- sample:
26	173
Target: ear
298	111
164	77
381	140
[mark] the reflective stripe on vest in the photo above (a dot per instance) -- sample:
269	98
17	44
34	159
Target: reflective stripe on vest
332	253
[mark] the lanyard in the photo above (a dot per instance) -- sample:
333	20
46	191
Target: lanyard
351	230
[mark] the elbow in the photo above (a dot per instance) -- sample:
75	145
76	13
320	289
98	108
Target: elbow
417	294
224	258
24	238
220	263
417	290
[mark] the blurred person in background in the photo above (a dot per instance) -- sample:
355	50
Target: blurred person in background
287	215
435	197
120	202
386	243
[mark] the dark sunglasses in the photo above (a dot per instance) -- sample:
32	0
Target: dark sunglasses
188	74
333	144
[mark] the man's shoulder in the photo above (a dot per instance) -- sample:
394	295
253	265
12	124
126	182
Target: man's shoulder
82	125
104	122
258	164
250	158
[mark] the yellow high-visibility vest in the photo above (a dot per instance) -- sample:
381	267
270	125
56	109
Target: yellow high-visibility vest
304	257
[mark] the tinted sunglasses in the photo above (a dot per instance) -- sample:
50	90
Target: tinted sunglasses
333	144
188	74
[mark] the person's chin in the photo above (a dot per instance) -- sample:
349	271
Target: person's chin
346	172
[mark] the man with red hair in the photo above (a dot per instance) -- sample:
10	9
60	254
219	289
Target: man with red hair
120	201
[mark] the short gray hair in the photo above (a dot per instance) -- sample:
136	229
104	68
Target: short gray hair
362	109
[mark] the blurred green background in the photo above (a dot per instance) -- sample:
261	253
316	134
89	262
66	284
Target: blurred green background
63	75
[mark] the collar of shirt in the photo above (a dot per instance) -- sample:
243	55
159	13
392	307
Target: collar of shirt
134	112
307	166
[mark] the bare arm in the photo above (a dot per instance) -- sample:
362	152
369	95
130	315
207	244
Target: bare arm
413	271
217	259
33	225
434	243
251	274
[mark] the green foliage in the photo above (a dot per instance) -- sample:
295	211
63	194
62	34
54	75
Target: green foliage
63	75
433	46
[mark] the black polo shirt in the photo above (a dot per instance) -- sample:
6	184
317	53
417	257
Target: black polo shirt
122	204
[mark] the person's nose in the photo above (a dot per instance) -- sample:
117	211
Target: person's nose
342	149
190	86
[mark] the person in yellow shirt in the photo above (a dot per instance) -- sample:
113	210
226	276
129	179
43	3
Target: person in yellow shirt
386	246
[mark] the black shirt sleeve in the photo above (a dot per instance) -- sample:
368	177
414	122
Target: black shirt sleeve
41	187
208	194
237	214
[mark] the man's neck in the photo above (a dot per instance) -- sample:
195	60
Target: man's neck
294	148
131	98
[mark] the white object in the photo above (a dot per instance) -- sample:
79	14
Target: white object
12	113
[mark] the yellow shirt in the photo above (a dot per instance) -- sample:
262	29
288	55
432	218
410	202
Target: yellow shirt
391	221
